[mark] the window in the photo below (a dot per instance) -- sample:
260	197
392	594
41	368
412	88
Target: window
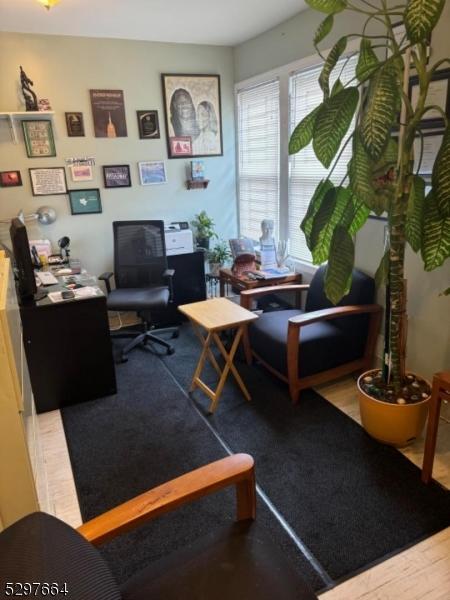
305	170
258	109
263	130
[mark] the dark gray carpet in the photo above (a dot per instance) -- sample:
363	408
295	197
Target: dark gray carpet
148	433
351	500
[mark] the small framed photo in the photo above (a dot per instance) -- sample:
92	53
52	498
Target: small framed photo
148	124
10	179
438	95
85	202
75	124
38	136
180	146
117	176
81	173
152	172
48	182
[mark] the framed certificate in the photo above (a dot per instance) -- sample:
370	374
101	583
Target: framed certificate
38	136
48	182
438	96
426	147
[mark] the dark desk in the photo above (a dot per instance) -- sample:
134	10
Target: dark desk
68	350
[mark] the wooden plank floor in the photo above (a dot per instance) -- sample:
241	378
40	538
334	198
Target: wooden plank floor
422	571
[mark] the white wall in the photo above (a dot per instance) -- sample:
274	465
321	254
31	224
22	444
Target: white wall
64	69
429	313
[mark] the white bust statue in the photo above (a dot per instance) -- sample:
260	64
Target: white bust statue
267	239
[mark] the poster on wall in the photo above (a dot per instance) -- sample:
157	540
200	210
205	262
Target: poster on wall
193	114
108	112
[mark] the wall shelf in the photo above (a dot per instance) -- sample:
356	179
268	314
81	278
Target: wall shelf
14	116
197	184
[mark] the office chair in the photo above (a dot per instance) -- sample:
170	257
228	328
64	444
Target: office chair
233	562
143	281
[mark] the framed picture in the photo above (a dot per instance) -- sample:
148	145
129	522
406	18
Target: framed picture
38	136
438	95
152	172
193	112
180	146
85	202
117	176
426	147
48	182
75	124
148	124
108	112
10	179
81	173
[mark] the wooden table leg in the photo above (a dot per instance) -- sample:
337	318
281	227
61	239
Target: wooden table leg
438	391
229	359
201	361
210	354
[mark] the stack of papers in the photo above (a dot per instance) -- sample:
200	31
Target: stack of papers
84	292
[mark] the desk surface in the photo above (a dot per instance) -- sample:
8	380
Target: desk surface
227	276
217	313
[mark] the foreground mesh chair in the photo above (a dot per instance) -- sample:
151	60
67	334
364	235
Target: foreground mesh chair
232	564
143	281
321	343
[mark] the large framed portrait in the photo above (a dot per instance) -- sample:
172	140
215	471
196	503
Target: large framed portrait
38	136
193	114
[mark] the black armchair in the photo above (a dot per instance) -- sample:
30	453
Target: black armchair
143	281
321	343
234	563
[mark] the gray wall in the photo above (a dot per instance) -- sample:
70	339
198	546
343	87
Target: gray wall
429	313
63	70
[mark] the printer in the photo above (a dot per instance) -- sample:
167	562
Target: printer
178	240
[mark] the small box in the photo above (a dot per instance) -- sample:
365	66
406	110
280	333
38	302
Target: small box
179	242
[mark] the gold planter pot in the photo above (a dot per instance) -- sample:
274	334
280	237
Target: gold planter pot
393	424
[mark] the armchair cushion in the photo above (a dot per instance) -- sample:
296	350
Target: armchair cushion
235	562
43	549
323	346
137	299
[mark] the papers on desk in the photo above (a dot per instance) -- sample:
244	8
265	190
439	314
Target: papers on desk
84	292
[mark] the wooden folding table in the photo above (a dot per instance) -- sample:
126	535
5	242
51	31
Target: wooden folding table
213	316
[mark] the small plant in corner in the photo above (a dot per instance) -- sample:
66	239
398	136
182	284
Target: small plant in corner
383	173
204	229
218	256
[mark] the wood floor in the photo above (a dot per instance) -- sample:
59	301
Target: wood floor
422	571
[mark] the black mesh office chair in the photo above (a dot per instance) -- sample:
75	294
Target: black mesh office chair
143	281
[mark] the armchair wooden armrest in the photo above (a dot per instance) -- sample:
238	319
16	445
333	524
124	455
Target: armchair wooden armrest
248	295
332	313
237	469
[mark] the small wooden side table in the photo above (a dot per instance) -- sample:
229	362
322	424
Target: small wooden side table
226	277
440	391
213	316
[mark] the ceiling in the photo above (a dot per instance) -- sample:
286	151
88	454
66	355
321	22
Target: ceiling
218	22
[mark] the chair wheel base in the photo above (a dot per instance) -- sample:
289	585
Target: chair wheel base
175	334
170	351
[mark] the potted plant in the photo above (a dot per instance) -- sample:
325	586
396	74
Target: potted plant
381	177
204	229
218	256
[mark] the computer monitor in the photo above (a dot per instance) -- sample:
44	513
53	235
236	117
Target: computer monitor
26	282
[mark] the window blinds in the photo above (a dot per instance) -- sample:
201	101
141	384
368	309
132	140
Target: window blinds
258	157
305	171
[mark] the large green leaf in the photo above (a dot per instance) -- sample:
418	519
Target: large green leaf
388	160
421	17
302	134
332	123
333	56
435	235
324	29
306	225
338	277
329	215
367	60
441	176
414	215
328	6
381	112
381	276
361	213
360	173
337	87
